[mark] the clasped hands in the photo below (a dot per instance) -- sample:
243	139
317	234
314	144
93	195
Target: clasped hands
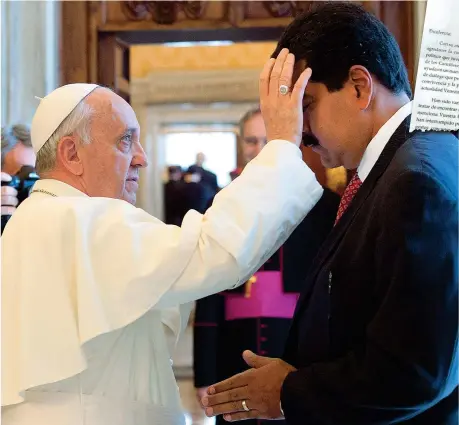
259	387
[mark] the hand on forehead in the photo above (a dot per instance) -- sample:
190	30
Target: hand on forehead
300	66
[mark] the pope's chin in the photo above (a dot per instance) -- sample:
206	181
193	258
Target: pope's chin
130	198
130	191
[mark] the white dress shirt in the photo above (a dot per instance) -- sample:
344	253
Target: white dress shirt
92	286
376	146
379	142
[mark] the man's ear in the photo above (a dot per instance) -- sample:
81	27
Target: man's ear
362	83
68	156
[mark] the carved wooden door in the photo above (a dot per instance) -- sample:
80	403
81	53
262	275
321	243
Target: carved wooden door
113	69
95	33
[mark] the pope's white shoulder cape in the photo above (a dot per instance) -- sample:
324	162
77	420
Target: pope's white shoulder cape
75	268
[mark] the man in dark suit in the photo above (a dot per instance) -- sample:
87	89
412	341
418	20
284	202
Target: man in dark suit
258	314
197	195
184	192
175	206
374	335
207	177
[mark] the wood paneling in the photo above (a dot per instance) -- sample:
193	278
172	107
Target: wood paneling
107	59
173	15
95	20
399	18
83	24
74	44
92	51
113	55
195	35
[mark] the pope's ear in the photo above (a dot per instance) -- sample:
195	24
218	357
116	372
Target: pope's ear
67	155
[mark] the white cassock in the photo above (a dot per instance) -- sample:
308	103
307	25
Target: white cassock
92	286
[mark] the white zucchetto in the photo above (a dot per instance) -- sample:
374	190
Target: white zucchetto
54	109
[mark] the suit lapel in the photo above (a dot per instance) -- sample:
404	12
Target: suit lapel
338	232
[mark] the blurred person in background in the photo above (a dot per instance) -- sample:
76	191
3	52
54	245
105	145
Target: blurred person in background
18	172
174	197
207	177
184	192
198	195
257	315
252	136
17	150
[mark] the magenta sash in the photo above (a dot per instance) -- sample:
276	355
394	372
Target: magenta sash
267	299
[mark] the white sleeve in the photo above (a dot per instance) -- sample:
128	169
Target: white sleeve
247	223
120	262
163	265
87	266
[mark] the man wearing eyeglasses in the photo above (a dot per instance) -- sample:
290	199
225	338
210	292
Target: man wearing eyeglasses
252	134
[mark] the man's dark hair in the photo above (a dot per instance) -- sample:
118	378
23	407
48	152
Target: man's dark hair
334	36
175	169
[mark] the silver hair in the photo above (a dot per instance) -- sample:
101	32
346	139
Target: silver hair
77	123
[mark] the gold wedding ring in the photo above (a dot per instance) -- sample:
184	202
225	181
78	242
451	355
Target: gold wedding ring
244	406
283	89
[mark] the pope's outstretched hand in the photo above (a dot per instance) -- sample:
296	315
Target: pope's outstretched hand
281	104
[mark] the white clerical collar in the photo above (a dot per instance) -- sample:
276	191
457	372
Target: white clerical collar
379	142
56	188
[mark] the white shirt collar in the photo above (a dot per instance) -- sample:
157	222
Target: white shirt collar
56	187
379	142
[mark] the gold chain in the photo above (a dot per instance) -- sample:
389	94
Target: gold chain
43	191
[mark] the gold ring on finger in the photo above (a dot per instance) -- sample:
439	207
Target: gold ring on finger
283	89
244	406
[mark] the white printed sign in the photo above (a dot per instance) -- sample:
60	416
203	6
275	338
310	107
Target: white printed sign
436	98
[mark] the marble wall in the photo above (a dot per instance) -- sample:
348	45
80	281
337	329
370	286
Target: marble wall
29	56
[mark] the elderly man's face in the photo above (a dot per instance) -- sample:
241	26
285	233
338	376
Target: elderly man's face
17	157
254	137
334	120
112	160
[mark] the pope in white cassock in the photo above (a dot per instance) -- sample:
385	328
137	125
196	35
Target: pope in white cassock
92	285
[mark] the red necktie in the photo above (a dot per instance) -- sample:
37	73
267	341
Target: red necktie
348	195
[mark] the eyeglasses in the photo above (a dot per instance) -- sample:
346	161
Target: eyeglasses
255	140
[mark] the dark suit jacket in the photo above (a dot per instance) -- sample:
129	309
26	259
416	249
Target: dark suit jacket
198	196
218	345
180	197
175	205
374	335
207	177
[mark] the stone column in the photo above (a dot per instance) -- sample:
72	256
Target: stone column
29	56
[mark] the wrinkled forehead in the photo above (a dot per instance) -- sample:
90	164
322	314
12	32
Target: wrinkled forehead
124	113
113	111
